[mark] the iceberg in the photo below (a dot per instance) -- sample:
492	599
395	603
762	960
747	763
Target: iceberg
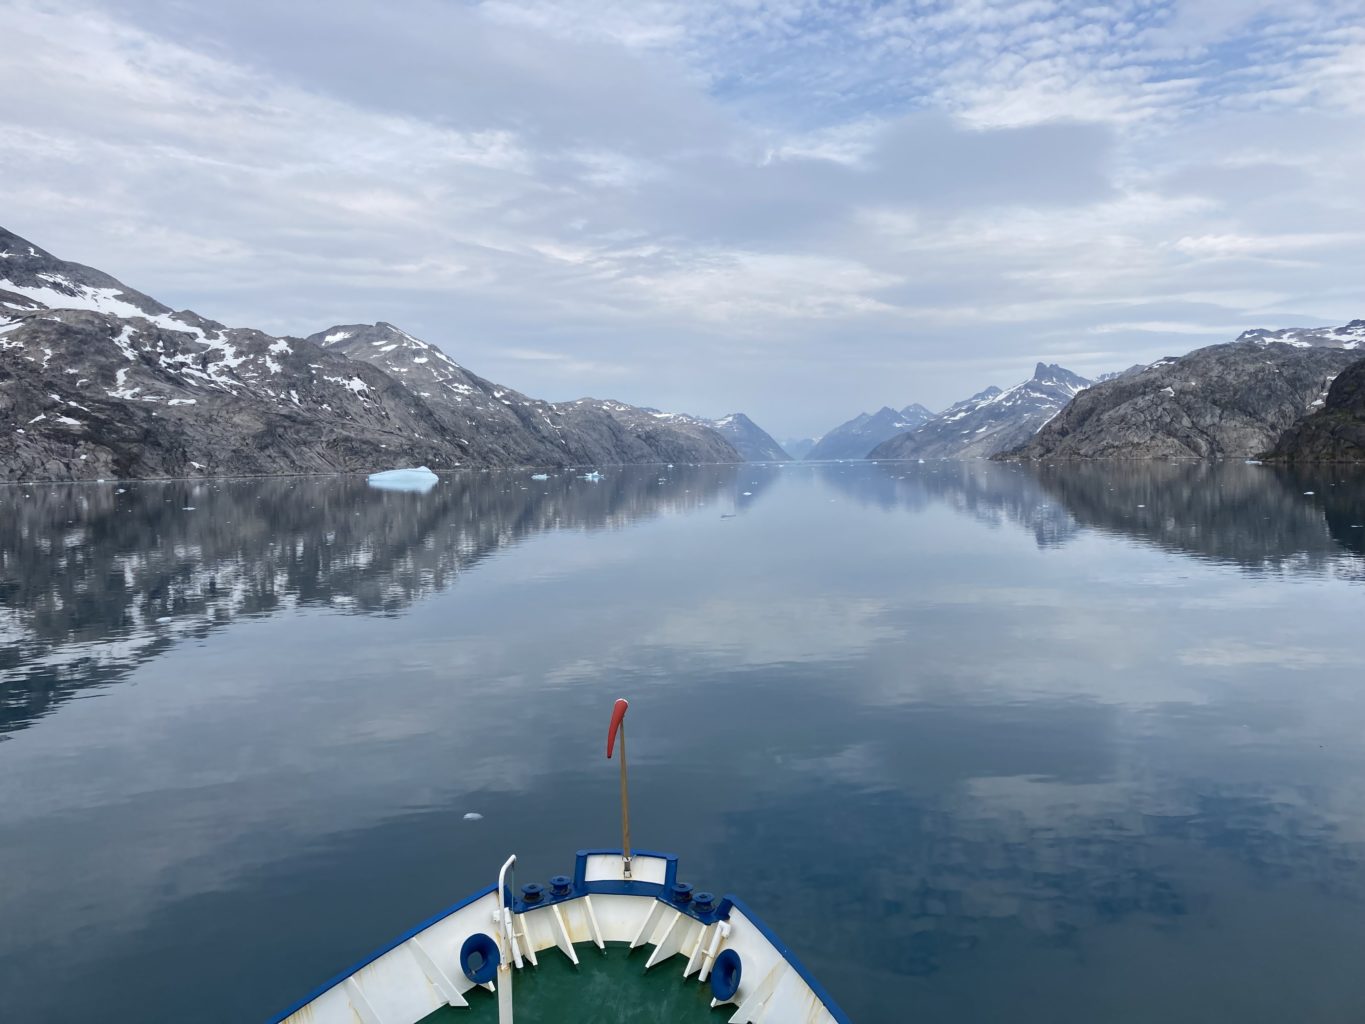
419	479
540	476
593	477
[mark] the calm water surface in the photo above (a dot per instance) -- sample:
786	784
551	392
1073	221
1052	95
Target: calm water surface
982	743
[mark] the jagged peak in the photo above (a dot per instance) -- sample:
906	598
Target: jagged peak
1056	373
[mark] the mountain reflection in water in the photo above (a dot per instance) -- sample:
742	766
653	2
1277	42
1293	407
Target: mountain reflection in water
988	742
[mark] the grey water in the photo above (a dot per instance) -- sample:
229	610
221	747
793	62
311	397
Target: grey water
980	742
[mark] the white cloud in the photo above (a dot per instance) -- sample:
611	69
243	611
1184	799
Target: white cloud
785	207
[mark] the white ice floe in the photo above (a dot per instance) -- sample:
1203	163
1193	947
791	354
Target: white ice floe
540	476
473	816
592	477
419	479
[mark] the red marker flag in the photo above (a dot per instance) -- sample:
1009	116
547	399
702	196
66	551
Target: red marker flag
618	715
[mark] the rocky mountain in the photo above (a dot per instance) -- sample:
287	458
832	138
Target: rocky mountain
989	422
749	439
100	380
523	430
798	447
857	437
1232	400
1335	432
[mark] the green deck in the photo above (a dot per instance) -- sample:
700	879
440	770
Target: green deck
607	987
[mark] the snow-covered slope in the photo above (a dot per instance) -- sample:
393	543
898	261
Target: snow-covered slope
100	380
1350	336
991	421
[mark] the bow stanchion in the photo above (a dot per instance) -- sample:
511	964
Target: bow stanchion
618	726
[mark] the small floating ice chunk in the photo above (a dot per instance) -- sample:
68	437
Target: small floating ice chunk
473	816
748	494
540	476
593	477
419	479
1307	492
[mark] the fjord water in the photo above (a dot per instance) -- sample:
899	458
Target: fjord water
981	742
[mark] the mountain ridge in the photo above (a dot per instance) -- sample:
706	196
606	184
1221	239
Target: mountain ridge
991	421
101	380
858	436
1221	401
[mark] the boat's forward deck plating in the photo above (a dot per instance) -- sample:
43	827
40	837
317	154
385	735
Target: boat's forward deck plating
600	922
608	986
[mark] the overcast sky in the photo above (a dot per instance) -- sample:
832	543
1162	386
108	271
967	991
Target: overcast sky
795	209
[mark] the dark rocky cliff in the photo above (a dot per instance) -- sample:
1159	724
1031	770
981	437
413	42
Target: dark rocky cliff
1336	431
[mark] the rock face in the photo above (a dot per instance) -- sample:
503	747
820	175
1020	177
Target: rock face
751	441
990	422
798	447
857	437
527	431
1232	400
100	380
1336	431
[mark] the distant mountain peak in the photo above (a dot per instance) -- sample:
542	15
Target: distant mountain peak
991	420
857	437
749	439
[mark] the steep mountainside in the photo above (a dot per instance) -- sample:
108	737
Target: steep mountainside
528	431
990	422
1336	431
857	437
1232	400
112	383
99	380
749	439
798	447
